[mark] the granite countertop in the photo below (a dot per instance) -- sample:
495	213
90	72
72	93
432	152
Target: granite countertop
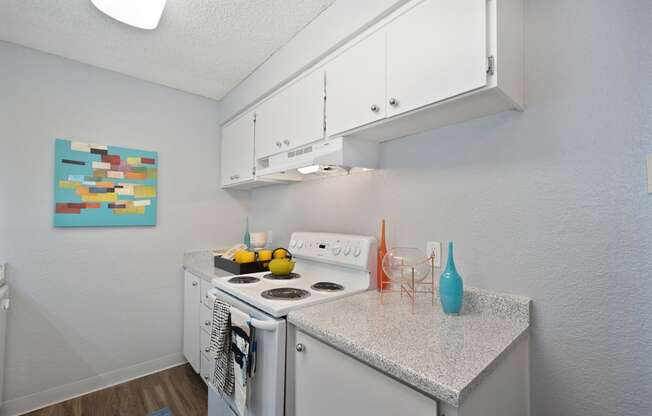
442	356
202	264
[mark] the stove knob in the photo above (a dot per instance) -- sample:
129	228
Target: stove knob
293	243
357	252
347	250
336	249
300	244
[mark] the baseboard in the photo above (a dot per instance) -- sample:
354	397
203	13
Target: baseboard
59	394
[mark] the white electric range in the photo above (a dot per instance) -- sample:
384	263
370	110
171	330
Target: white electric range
328	267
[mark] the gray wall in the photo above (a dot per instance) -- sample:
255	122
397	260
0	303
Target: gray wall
88	302
550	203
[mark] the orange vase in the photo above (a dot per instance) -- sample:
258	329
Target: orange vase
381	277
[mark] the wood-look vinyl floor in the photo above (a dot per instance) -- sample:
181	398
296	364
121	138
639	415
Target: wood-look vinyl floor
178	388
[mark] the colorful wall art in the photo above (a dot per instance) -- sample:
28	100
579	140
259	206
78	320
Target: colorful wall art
97	185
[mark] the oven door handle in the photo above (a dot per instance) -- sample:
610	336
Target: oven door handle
256	323
263	325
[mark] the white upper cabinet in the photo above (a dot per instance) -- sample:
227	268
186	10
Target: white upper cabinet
238	151
435	51
355	85
270	119
427	64
292	117
306	116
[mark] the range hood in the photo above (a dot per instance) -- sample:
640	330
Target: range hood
324	158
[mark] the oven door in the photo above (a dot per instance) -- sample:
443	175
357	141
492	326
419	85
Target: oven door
267	387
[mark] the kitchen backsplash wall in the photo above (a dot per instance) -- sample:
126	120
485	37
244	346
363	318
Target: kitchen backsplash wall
91	304
550	203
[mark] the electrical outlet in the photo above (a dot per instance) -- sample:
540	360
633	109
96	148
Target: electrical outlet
434	247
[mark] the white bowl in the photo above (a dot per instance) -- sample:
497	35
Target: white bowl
258	240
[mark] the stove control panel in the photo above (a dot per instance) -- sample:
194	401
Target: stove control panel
355	251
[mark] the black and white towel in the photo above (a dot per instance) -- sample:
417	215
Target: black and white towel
220	348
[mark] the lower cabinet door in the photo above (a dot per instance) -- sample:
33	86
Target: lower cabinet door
191	305
207	368
328	382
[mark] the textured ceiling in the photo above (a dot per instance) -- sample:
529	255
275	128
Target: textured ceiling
204	47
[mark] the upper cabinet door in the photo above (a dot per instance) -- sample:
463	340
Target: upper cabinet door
304	101
355	85
269	127
435	51
238	150
291	118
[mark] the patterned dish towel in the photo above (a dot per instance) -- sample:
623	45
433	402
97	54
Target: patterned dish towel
220	348
241	335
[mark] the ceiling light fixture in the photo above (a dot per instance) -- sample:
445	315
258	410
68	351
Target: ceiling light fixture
143	14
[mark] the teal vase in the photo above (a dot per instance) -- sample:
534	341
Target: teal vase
451	287
246	240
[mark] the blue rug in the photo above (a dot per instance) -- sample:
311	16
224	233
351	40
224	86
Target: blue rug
161	412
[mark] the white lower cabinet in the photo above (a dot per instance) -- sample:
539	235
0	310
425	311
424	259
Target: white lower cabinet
207	367
197	322
323	381
326	382
191	305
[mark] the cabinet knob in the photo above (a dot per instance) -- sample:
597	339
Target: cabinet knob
206	378
299	347
287	142
207	323
207	350
393	102
194	283
279	144
374	108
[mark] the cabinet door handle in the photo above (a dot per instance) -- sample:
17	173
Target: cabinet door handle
195	283
279	144
374	108
287	142
393	102
300	347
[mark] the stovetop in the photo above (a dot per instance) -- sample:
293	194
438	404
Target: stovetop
322	273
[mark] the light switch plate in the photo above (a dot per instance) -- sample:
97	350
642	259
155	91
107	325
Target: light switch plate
434	247
649	173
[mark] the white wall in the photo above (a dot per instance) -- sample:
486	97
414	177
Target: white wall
550	203
90	306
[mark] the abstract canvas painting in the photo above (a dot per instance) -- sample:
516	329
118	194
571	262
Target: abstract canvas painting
98	185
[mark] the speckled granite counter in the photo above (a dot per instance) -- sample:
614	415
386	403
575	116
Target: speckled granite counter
202	264
442	356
